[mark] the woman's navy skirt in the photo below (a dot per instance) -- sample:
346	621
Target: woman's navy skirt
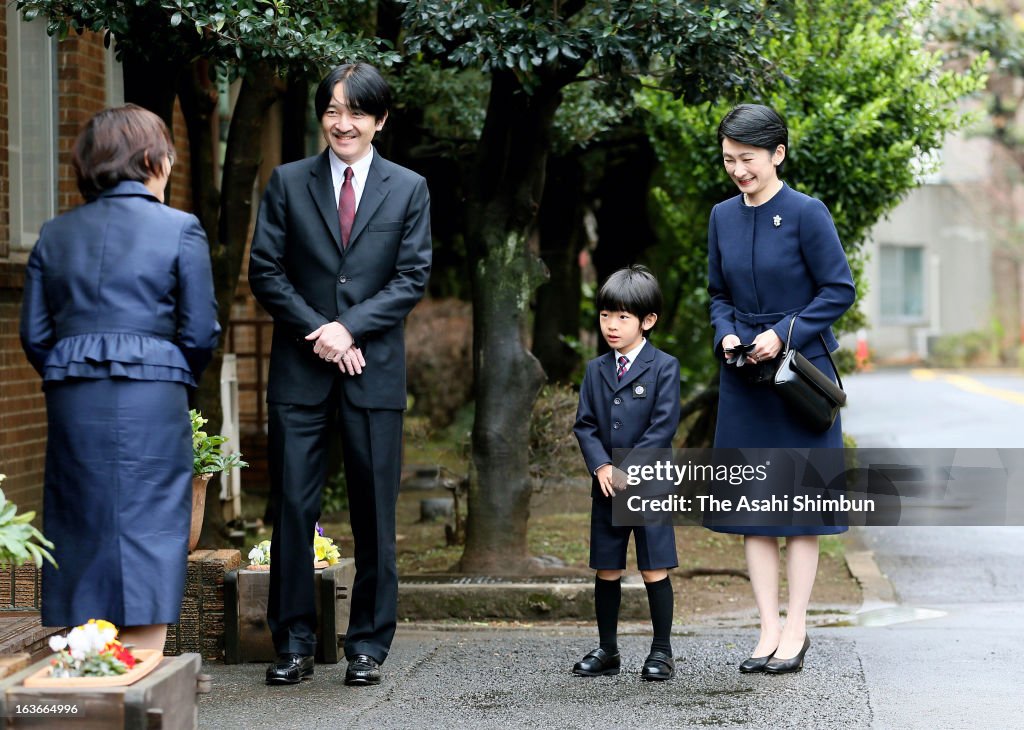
117	501
752	416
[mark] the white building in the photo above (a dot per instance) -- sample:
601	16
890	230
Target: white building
934	260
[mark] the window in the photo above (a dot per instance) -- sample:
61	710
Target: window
902	277
32	127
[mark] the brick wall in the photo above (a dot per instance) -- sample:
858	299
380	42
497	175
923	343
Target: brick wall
22	418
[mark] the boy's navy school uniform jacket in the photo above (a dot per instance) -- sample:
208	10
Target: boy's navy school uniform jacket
641	411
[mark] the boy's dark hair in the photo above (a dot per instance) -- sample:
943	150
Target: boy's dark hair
756	125
122	143
632	289
365	90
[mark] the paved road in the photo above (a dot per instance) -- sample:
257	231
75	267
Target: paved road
956	670
949	666
500	679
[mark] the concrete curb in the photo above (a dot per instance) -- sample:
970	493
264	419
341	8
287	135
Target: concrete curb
558	599
877	590
512	601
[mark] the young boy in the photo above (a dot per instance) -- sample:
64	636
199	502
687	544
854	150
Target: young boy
629	399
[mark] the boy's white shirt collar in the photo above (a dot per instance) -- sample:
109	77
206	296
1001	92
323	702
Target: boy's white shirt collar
360	169
631	355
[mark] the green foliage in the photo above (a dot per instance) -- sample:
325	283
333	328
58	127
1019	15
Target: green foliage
334	497
991	33
866	103
308	37
19	540
614	39
991	28
207	456
452	100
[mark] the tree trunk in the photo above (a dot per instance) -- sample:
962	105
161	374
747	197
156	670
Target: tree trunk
562	237
153	85
295	119
228	242
501	232
198	99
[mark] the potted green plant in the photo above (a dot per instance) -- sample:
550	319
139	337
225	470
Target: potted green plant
207	459
19	540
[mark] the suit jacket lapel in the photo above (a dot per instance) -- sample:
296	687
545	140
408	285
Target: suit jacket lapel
321	187
607	368
640	364
377	188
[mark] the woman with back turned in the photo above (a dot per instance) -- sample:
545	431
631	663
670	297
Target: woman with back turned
119	319
776	269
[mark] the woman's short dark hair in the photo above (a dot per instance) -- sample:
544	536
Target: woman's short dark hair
123	143
632	289
756	125
365	90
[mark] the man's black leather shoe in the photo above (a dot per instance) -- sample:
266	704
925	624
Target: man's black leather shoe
290	669
597	663
658	667
362	669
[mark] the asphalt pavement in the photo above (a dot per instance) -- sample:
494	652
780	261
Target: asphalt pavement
935	645
494	678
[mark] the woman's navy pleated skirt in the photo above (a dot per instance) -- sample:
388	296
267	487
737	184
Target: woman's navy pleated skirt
754	416
117	501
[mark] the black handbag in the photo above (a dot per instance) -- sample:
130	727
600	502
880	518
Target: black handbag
810	394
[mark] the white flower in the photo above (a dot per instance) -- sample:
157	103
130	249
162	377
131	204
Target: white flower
77	654
58	643
255	554
86	639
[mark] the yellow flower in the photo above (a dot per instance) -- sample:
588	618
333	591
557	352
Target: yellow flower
325	549
102	625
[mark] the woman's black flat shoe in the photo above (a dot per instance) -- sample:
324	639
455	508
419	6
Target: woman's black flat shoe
785	666
755	663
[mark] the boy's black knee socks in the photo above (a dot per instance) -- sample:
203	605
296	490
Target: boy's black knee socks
607	596
660	598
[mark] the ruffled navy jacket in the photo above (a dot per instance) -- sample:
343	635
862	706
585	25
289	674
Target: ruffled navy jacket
120	287
769	263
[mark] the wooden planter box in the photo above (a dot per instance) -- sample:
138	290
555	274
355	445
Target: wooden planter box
246	634
166	698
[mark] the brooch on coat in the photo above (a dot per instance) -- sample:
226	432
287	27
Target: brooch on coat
777	221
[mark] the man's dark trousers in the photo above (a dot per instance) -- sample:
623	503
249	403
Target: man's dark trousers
371	448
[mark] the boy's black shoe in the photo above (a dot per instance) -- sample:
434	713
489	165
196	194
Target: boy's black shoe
597	663
658	667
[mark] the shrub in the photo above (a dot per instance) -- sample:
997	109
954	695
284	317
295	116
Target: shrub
439	352
554	452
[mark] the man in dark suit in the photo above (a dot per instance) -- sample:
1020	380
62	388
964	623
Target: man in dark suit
340	255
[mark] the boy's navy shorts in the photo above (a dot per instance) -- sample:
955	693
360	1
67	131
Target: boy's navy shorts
655	544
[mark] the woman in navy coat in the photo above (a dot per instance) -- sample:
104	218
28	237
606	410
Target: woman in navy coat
119	318
774	260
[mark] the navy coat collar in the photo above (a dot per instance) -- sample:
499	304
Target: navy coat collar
780	197
128	187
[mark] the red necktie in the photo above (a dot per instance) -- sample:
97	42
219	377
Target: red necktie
623	362
346	207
